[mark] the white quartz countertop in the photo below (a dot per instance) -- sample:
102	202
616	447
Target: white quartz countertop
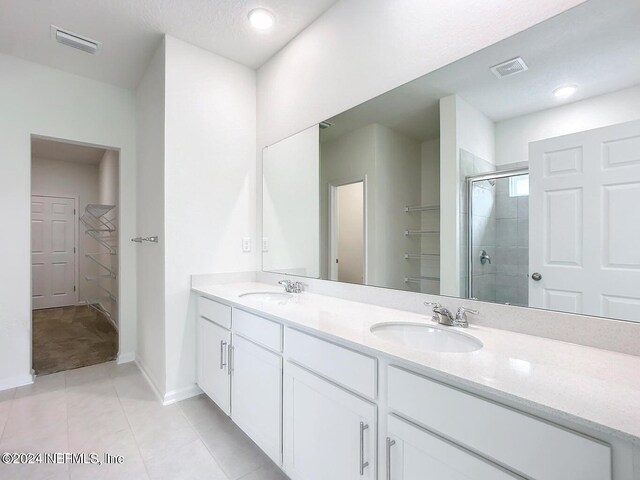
596	388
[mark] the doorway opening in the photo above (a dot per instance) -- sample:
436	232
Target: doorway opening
347	232
74	254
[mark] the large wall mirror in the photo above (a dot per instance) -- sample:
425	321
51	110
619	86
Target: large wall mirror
510	176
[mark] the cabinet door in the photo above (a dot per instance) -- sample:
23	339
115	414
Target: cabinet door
329	433
256	383
415	454
213	364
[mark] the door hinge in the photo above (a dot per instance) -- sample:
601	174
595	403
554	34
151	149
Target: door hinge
74	249
74	288
74	211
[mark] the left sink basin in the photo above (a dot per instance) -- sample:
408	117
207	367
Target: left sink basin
268	296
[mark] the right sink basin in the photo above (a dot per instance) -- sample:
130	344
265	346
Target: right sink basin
426	337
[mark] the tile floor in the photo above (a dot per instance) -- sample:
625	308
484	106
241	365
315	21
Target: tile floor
111	408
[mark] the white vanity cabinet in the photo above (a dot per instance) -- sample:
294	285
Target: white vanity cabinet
213	362
522	443
240	368
256	400
413	453
329	433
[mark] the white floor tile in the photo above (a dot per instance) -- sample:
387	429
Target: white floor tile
110	408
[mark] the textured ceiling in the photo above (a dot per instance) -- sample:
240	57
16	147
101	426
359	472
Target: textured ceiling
594	45
131	30
68	152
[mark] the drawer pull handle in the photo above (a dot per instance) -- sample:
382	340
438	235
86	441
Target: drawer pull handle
230	367
390	443
222	362
363	464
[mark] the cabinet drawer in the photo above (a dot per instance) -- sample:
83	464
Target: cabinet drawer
525	444
260	330
345	367
214	311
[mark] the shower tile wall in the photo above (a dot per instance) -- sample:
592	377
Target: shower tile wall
484	228
512	246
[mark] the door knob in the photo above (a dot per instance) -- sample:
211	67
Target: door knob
536	276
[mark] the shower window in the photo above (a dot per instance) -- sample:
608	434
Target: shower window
519	186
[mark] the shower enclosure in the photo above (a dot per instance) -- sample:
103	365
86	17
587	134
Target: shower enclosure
498	253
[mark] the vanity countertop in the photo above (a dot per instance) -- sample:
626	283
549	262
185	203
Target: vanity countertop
596	388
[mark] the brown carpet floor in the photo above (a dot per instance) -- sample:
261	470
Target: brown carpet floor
71	337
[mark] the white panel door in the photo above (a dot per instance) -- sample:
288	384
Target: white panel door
416	454
585	223
256	398
53	236
213	363
328	432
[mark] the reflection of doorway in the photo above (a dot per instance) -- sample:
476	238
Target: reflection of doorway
347	232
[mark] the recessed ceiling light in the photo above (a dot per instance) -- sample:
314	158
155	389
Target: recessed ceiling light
565	91
261	19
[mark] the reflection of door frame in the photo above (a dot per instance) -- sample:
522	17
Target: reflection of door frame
332	230
76	240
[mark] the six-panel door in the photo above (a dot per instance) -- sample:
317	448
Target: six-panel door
328	432
213	363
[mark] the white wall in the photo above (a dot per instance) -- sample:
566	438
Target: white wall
399	174
210	186
48	102
109	180
430	220
291	216
59	178
337	63
150	113
462	127
513	135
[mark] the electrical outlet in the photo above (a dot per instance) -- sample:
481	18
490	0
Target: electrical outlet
265	244
246	244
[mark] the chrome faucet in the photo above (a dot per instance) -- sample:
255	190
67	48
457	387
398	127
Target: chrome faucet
292	287
443	315
461	317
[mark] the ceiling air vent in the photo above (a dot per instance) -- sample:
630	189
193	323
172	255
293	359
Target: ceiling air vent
74	40
510	67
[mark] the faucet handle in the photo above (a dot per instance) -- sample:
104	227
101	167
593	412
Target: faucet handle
461	317
298	287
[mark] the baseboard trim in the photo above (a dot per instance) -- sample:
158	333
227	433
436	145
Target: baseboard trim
147	377
17	381
126	358
181	394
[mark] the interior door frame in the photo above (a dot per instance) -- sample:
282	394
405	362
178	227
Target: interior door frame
122	204
76	239
333	230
